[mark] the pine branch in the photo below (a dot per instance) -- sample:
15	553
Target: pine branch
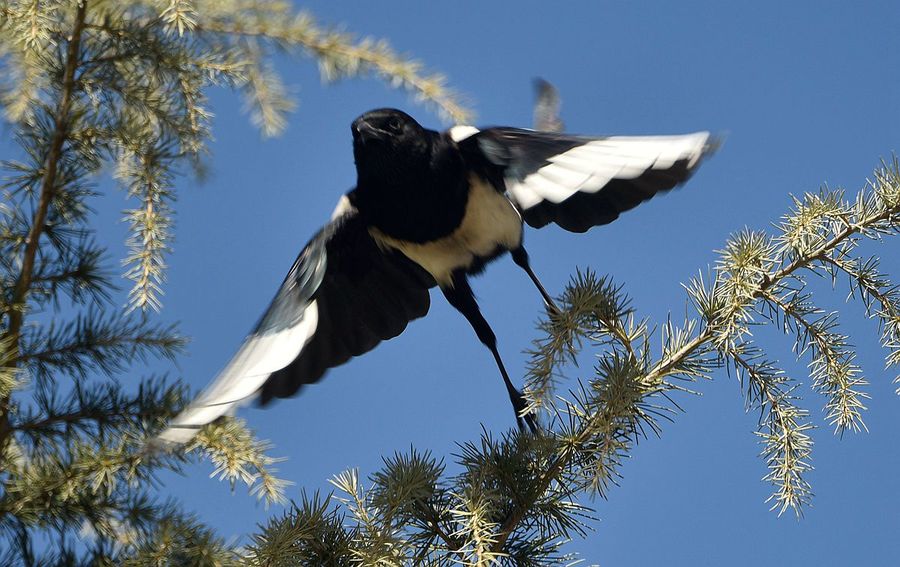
833	371
312	532
148	178
875	289
92	342
78	274
238	455
96	410
769	281
177	538
787	445
339	56
48	187
592	307
265	95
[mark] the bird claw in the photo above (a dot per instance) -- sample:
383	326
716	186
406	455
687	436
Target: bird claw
523	416
552	310
530	420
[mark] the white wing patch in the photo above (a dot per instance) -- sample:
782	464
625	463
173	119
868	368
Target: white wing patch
591	166
342	208
460	133
239	381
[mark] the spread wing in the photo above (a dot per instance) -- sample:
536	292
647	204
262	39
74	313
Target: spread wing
342	297
579	182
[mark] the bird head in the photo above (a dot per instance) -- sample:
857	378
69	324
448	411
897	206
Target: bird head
387	142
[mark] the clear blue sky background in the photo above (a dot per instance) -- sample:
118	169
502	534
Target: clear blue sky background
808	93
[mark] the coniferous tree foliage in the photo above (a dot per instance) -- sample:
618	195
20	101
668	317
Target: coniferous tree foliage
88	85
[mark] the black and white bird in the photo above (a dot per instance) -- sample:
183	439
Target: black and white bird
431	208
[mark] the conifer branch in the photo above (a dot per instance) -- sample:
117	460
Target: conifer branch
769	281
48	187
92	342
788	447
239	456
94	411
339	56
833	371
148	179
881	299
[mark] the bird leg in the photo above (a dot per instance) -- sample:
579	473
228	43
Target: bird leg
520	257
461	297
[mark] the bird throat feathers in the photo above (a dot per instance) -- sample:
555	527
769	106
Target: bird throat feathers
417	196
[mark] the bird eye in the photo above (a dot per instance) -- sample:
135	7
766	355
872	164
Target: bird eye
395	126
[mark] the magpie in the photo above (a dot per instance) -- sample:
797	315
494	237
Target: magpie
432	209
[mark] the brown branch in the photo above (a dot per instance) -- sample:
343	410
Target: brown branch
69	418
94	415
48	190
431	516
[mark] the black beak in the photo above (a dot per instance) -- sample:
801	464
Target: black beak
363	131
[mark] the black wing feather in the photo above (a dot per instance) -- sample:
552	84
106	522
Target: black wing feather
367	295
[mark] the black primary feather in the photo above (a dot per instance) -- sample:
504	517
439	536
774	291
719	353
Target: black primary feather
367	295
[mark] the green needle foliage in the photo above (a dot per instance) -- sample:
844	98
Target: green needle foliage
88	85
516	499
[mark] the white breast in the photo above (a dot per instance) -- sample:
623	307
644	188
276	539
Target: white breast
490	222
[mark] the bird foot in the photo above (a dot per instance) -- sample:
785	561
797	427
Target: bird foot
552	310
523	417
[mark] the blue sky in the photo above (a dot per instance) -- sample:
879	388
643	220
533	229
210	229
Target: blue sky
807	93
